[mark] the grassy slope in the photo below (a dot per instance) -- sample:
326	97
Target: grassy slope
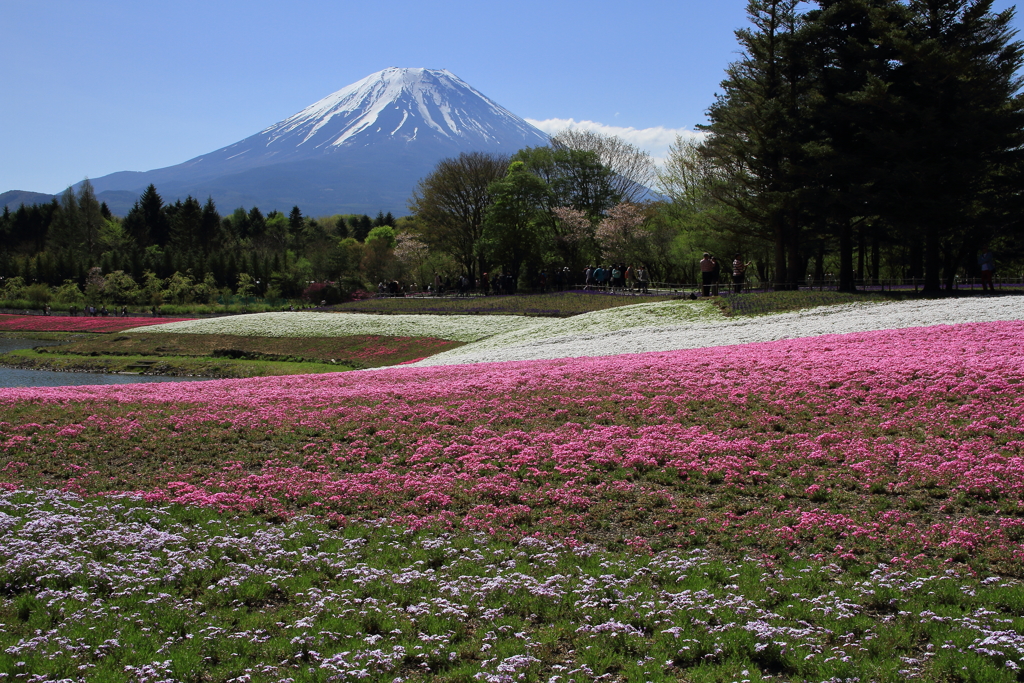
194	355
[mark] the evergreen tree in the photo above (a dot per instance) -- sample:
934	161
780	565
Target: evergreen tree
295	222
209	231
257	224
753	130
66	229
959	132
92	220
186	225
360	227
854	48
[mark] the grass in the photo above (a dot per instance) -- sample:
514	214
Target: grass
554	305
767	303
120	589
168	366
196	355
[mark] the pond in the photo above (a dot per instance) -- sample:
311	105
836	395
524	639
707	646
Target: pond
12	377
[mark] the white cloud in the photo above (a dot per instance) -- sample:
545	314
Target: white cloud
654	140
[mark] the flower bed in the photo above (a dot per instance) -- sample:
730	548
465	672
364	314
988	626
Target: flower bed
785	446
310	324
815	508
689	325
115	589
55	323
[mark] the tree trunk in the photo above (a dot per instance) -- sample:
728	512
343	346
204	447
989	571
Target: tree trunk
876	258
932	259
862	243
797	266
846	274
819	264
781	275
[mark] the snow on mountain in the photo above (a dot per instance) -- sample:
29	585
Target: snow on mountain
436	100
400	109
360	149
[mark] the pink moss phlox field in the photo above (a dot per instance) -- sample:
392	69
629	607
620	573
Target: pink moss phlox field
898	445
59	323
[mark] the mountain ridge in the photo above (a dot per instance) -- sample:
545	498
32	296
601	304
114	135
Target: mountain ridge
361	149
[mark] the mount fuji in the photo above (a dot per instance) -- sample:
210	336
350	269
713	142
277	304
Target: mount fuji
361	149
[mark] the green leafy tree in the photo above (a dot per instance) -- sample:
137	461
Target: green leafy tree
383	233
246	287
152	289
120	288
276	235
450	204
513	223
69	293
574	178
180	288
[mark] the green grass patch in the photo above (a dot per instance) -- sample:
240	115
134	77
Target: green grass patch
169	366
766	303
217	355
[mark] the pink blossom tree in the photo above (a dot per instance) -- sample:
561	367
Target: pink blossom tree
622	233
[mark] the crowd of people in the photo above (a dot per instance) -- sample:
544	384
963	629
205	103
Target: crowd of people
607	278
617	278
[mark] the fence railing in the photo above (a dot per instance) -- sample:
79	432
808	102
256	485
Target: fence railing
725	286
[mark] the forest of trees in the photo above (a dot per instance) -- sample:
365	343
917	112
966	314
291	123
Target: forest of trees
852	141
74	251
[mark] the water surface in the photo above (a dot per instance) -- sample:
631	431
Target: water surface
11	377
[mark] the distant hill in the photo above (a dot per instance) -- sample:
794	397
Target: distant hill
12	199
361	149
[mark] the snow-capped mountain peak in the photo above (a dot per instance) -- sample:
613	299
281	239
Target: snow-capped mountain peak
404	104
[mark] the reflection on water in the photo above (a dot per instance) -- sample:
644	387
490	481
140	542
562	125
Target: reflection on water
10	377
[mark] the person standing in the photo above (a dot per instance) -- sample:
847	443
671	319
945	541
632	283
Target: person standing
707	271
988	268
641	279
739	272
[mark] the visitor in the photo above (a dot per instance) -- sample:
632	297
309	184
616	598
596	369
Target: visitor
707	270
739	270
641	279
988	268
716	275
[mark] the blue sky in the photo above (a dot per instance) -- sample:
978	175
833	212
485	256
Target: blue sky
96	86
